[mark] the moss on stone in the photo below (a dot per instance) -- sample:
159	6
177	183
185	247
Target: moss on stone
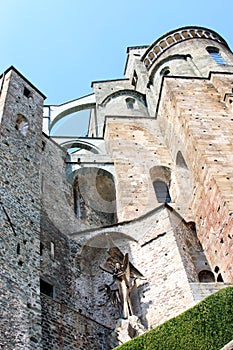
206	326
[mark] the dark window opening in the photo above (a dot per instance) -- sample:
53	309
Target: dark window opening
18	248
219	278
43	146
215	54
26	92
135	79
161	191
41	248
130	102
206	276
46	288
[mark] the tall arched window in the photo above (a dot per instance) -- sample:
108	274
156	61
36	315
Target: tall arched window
22	124
161	191
215	54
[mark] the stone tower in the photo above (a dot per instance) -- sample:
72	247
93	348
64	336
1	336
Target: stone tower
149	187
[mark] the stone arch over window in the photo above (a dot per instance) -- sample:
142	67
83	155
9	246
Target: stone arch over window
165	71
206	276
214	52
22	124
125	93
166	64
124	102
161	177
94	196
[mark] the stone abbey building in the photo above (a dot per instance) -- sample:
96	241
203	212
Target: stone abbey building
108	235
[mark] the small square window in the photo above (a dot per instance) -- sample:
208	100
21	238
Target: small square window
46	288
26	92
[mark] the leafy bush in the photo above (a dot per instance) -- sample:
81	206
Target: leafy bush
206	326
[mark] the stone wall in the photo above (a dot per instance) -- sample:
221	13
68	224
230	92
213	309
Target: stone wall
62	183
198	115
162	247
20	213
66	329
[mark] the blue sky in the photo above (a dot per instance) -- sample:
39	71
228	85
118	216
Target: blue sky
61	46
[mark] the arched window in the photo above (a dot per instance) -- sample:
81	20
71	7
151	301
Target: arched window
215	54
22	124
130	102
206	276
161	191
180	162
219	278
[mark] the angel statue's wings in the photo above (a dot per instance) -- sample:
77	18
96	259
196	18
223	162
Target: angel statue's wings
108	265
116	256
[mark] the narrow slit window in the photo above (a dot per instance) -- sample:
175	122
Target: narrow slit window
41	248
135	79
52	250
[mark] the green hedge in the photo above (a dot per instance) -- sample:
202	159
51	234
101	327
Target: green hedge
206	326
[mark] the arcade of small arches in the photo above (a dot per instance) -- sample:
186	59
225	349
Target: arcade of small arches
174	37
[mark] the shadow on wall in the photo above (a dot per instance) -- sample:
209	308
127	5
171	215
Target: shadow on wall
94	196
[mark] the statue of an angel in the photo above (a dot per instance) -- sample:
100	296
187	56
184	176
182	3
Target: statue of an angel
124	279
